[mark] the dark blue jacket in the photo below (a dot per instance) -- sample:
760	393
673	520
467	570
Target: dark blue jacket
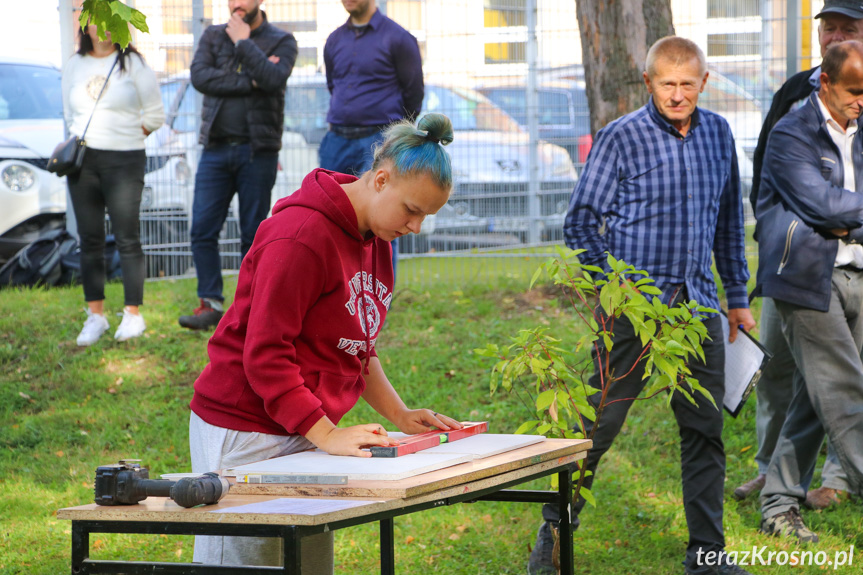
802	198
222	70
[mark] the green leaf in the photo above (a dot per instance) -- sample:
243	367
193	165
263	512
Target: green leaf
586	495
544	399
536	275
699	389
139	21
538	365
112	16
674	347
491	350
121	10
606	339
526	426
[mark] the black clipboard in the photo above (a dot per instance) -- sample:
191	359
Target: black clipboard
745	360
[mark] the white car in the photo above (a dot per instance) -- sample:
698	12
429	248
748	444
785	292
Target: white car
34	200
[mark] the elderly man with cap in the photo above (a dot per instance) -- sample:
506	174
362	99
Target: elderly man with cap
839	20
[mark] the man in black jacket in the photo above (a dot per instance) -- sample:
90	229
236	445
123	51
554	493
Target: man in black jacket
840	20
242	68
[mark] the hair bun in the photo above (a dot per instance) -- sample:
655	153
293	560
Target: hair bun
435	128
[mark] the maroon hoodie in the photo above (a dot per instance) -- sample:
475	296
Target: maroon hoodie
292	347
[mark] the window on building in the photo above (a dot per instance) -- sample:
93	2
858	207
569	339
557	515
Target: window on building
177	16
733	8
506	53
297	16
742	44
307	56
408	13
178	58
501	13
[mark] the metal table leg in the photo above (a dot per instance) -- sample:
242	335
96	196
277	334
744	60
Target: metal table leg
564	503
292	557
80	546
388	555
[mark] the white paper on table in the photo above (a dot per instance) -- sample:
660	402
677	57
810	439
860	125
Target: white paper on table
356	468
296	506
486	444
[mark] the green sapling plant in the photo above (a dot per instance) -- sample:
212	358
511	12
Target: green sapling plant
552	380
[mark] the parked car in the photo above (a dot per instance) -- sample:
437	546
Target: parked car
33	199
489	154
31	124
563	116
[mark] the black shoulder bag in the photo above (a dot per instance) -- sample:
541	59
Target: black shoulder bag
68	156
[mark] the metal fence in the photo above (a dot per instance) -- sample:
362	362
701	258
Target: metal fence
518	151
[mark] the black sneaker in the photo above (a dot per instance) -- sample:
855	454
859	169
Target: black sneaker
545	553
727	569
789	524
205	317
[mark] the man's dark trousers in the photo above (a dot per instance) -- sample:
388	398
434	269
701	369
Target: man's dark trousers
702	452
225	169
352	156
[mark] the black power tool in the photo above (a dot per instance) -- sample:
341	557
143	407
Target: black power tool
127	483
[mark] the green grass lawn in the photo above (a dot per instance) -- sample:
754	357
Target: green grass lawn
65	410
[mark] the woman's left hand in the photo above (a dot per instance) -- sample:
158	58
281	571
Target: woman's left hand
414	421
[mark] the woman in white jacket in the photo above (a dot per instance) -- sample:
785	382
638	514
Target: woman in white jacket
112	175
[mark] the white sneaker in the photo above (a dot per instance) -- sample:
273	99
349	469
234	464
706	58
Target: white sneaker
94	327
132	326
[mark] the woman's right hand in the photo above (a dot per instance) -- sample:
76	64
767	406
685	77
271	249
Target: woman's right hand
348	440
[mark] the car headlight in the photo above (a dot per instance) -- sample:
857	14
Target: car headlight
18	178
182	172
146	197
461	209
556	162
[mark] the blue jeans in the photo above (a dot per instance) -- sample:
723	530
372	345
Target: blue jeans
352	157
224	170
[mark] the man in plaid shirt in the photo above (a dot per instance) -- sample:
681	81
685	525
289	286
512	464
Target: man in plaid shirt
661	191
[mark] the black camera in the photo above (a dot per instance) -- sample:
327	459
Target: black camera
127	483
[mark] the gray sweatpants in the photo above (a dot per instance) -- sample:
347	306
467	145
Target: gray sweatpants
216	448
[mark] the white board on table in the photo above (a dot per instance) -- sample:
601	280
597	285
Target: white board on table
295	506
356	468
486	444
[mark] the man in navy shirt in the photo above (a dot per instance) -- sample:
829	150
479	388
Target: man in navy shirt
661	191
374	74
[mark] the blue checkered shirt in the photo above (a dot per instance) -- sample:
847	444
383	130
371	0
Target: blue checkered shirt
665	204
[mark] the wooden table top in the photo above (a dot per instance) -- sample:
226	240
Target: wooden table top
375	496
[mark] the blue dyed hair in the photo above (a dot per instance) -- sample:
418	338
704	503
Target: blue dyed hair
417	150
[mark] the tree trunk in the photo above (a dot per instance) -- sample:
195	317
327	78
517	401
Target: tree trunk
615	37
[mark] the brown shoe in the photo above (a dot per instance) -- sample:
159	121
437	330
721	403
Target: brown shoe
750	487
824	497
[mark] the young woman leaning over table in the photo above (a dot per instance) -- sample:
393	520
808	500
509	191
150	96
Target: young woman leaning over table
296	350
